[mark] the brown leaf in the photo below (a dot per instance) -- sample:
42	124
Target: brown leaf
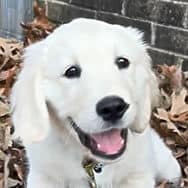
19	171
13	182
7	137
180	152
1	180
162	114
186	170
6	171
9	50
173	73
178	102
40	27
4	109
2	155
165	99
183	117
9	80
40	13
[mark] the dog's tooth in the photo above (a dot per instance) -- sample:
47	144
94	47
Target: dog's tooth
98	146
122	141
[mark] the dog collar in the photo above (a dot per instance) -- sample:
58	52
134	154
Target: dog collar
91	167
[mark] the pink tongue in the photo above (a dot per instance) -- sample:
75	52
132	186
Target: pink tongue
109	142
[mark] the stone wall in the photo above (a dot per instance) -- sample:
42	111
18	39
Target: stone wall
164	22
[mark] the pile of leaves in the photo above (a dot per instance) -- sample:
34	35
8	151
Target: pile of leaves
13	167
11	164
169	118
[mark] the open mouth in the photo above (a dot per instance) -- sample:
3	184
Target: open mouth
109	144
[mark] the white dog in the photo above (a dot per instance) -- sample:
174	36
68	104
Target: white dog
82	106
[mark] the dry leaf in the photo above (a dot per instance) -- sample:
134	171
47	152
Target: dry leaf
4	109
165	99
40	27
162	114
2	155
172	74
1	180
179	105
13	182
10	50
19	171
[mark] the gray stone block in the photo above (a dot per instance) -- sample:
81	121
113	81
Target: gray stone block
172	39
116	19
104	5
166	13
65	13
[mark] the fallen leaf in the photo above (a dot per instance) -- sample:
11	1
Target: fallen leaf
162	114
4	109
40	27
13	182
19	171
173	74
179	105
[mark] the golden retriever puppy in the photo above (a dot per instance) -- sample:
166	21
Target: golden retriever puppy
82	105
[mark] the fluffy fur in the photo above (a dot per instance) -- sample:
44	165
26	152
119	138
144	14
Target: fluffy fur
43	98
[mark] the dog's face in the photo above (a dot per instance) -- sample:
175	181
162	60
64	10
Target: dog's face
97	79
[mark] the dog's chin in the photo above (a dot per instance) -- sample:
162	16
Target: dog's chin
108	145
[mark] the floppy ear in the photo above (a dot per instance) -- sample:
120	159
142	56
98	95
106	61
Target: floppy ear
147	94
29	111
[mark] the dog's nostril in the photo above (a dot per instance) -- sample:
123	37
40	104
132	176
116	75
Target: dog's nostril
120	108
106	111
111	108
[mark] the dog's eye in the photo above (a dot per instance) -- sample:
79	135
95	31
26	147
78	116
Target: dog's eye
73	72
122	62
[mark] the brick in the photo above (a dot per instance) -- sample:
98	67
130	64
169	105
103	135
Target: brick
172	39
111	6
66	13
92	4
139	8
104	5
169	14
165	58
161	12
116	19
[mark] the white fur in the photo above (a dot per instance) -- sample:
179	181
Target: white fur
53	148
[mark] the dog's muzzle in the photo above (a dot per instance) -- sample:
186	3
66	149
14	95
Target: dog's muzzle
109	144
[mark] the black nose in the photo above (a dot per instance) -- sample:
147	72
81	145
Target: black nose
111	108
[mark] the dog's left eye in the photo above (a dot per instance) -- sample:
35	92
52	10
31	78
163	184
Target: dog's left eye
73	72
122	62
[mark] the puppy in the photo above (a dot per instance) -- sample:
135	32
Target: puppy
85	94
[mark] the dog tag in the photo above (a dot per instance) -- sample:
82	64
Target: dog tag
92	168
98	168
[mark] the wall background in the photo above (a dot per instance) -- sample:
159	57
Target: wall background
12	13
165	22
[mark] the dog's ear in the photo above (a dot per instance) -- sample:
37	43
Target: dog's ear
146	84
147	94
29	111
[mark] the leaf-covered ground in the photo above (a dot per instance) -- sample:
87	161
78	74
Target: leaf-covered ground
169	118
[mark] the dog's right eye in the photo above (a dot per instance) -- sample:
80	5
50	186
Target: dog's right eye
73	72
122	62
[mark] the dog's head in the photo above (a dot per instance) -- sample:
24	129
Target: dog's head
97	79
